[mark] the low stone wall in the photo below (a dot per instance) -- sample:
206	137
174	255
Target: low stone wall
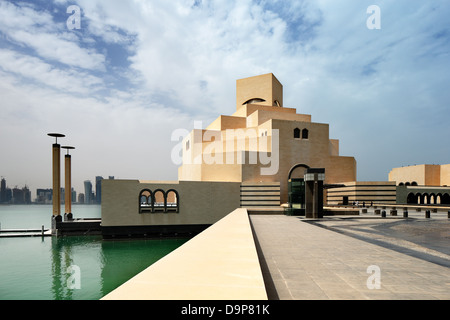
221	263
346	211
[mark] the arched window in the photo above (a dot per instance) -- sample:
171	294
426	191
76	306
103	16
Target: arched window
296	133
419	198
445	199
432	199
401	184
439	198
414	183
305	134
145	201
172	201
159	201
412	198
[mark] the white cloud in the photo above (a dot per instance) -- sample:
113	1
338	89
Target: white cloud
382	91
37	30
124	136
32	68
54	47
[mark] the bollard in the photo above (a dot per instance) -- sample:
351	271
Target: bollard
427	214
405	213
383	214
42	230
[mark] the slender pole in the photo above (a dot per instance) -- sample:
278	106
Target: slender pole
68	184
56	180
56	169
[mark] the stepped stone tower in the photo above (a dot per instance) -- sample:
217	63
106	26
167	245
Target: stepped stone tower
262	141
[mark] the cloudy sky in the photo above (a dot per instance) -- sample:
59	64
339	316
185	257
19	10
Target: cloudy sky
135	71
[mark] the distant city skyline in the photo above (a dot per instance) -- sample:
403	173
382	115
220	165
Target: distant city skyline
34	192
124	76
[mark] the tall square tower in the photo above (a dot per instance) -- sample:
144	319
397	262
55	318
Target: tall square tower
263	90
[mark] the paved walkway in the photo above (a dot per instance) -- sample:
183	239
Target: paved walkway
305	261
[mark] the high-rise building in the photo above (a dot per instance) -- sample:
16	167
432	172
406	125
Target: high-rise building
18	197
74	196
81	198
21	195
98	189
88	192
26	194
3	191
44	195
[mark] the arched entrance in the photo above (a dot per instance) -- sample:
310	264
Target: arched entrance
299	165
412	198
296	190
306	191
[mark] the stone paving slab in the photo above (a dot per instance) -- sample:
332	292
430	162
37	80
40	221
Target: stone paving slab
302	261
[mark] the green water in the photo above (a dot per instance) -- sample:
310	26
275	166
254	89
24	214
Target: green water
68	268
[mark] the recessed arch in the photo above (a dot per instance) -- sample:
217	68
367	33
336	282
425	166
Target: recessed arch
299	165
412	198
432	199
145	201
159	200
254	100
297	132
439	198
305	134
172	201
419	198
445	198
425	198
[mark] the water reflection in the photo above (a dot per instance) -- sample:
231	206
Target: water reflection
61	261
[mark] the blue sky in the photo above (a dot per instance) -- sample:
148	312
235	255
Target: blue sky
138	70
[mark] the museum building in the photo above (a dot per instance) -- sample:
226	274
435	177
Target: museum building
263	156
239	160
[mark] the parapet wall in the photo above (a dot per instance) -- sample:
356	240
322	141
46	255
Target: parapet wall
221	263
